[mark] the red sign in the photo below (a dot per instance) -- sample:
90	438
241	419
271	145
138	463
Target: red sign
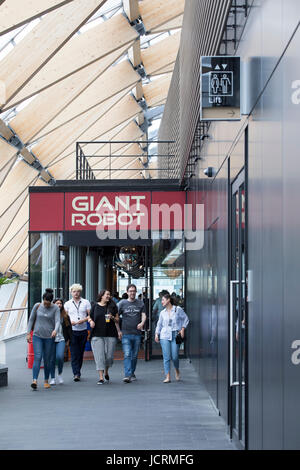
168	210
82	211
108	211
46	212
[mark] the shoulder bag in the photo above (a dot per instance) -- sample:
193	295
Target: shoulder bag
179	339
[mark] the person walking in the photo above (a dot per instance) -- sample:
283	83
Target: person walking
133	321
62	338
158	306
172	320
44	320
78	310
115	297
105	330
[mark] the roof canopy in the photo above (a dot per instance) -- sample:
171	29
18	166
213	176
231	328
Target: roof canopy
75	70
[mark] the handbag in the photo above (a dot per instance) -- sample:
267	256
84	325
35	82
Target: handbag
179	339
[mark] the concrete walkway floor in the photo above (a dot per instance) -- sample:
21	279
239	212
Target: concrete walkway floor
146	414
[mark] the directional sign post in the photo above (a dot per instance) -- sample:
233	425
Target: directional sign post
220	88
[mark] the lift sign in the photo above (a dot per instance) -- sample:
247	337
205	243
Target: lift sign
220	88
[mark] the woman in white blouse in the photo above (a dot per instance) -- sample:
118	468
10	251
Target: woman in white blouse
171	321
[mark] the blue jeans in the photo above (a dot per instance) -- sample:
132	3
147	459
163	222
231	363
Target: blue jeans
43	349
131	346
170	351
58	357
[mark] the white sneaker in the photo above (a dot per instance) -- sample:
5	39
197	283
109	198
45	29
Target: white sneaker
52	382
60	379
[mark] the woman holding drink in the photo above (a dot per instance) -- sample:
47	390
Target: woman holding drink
104	323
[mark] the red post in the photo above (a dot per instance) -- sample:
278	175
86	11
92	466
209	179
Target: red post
30	353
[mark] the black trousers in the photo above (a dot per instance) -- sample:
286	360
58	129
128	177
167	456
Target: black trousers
77	350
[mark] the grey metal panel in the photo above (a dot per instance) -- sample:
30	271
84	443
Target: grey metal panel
291	236
222	275
207	281
273	254
270	25
274	230
255	310
272	401
271	46
272	276
290	18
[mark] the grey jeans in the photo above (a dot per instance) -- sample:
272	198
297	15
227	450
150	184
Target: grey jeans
103	349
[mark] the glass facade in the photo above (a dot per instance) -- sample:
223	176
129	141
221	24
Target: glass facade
55	266
43	264
168	273
168	267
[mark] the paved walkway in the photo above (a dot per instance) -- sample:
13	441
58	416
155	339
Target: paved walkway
146	414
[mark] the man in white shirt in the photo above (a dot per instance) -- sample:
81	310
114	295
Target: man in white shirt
78	310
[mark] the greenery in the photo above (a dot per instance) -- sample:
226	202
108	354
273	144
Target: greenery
6	280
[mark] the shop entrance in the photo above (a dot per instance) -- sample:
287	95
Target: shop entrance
107	239
153	267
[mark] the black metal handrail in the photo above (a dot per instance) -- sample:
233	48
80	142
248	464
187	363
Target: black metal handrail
83	169
86	171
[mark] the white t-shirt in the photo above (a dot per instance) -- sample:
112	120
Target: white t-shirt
78	311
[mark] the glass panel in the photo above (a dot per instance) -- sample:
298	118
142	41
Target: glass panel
63	289
235	301
43	264
235	356
167	274
142	284
123	280
238	274
35	269
243	313
49	261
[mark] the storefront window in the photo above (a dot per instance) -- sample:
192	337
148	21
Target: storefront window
43	262
167	274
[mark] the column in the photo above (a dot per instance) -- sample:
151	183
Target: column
49	261
101	274
91	276
76	260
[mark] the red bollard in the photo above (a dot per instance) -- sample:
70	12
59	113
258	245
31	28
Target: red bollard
30	353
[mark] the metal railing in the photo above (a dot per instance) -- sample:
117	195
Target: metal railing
83	169
201	133
237	18
13	322
106	153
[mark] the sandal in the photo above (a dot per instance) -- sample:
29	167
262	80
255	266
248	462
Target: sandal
33	385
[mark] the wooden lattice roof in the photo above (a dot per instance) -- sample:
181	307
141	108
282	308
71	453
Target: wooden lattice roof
69	71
